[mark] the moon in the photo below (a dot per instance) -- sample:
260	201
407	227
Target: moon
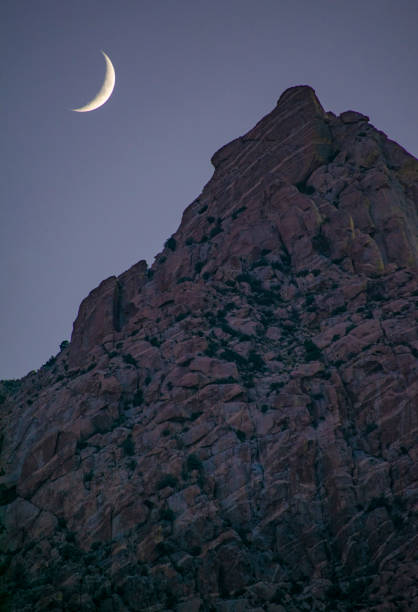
105	91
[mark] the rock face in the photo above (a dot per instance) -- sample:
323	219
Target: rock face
233	429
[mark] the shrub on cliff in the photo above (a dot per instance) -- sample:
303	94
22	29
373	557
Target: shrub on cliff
167	514
138	398
168	480
130	360
255	360
312	352
321	244
194	463
128	446
50	362
171	243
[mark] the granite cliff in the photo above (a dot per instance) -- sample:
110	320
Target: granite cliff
235	428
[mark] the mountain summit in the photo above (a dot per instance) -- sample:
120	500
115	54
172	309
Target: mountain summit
235	428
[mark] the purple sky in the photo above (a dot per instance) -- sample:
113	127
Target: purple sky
86	195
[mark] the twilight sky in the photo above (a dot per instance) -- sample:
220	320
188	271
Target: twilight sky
84	196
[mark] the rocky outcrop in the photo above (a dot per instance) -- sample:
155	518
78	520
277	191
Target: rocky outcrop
235	427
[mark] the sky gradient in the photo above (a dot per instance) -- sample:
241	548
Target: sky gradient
86	195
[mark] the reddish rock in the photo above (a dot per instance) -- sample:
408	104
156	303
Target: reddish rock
235	428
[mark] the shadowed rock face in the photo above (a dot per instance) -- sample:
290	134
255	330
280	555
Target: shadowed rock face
234	428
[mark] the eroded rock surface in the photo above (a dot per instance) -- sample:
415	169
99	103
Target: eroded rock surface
235	428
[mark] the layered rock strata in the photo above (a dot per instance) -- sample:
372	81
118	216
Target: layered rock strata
235	428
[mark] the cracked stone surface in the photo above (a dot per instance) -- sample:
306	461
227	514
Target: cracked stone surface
235	428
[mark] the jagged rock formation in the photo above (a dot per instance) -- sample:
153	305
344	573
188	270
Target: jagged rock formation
233	429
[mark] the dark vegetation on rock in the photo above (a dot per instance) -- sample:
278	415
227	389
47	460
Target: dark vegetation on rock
235	428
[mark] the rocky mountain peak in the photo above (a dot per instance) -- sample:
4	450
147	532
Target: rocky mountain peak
233	428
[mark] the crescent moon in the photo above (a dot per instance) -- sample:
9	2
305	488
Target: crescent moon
105	91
